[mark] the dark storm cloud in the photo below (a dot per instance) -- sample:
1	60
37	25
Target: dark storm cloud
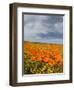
51	35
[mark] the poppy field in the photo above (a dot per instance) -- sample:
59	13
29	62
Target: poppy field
43	58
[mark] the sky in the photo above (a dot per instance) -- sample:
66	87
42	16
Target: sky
43	28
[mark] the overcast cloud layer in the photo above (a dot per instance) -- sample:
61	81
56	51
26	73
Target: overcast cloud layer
43	28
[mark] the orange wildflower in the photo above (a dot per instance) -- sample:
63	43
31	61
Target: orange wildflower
33	58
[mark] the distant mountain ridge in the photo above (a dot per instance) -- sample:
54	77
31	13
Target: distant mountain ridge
42	43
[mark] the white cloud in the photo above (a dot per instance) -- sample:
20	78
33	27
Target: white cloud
36	24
